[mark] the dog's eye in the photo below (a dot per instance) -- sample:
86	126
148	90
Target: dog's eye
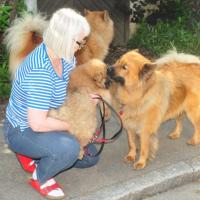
124	67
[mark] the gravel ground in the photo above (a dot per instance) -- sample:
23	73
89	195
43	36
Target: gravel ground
2	110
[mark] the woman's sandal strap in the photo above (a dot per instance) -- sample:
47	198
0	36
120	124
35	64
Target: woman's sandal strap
45	191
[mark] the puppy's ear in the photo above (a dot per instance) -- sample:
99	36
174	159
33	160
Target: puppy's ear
147	70
99	80
98	77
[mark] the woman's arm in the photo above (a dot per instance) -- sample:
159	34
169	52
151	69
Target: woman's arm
39	121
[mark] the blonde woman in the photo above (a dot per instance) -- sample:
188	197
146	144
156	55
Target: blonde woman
40	83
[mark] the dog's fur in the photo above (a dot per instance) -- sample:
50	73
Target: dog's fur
26	33
91	75
79	111
22	37
102	32
152	93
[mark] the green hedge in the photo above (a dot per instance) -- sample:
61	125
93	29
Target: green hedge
8	11
183	33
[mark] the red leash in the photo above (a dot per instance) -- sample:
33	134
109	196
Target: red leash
102	128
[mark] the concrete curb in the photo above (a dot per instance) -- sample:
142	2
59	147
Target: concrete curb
151	183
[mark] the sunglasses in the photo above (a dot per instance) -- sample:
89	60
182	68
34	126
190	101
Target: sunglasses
80	44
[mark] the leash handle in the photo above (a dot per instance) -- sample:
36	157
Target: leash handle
108	140
102	127
104	140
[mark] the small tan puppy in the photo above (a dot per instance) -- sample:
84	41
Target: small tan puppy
151	93
91	75
101	36
79	111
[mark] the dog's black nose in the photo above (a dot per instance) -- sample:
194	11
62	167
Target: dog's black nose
107	83
110	71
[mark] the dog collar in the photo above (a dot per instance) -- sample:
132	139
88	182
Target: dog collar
121	110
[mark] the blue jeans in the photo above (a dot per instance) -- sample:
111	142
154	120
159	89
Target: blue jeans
54	151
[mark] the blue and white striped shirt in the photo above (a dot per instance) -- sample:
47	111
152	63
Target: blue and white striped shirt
37	85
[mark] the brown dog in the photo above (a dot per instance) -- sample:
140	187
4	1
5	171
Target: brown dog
151	93
102	32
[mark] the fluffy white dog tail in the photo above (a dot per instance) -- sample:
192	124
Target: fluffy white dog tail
178	57
22	37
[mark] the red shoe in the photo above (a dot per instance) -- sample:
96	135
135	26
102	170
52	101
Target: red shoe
51	190
27	163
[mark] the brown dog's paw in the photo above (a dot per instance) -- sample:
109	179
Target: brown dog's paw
129	158
193	141
174	135
80	157
139	165
81	154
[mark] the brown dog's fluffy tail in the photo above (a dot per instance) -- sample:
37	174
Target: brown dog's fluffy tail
22	37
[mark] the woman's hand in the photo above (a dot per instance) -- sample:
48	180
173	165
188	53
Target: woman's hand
95	98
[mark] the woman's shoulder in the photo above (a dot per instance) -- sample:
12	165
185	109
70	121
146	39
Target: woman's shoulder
38	58
35	63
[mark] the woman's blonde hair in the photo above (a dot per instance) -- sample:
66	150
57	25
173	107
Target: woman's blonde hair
63	30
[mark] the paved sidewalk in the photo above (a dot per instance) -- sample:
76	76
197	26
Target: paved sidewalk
112	179
190	191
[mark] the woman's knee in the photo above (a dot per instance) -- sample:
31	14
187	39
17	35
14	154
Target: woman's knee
88	160
67	147
93	151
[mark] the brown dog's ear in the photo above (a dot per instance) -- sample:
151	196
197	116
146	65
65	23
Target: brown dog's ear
86	11
106	16
147	70
137	50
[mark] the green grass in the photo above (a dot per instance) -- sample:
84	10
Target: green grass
166	35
